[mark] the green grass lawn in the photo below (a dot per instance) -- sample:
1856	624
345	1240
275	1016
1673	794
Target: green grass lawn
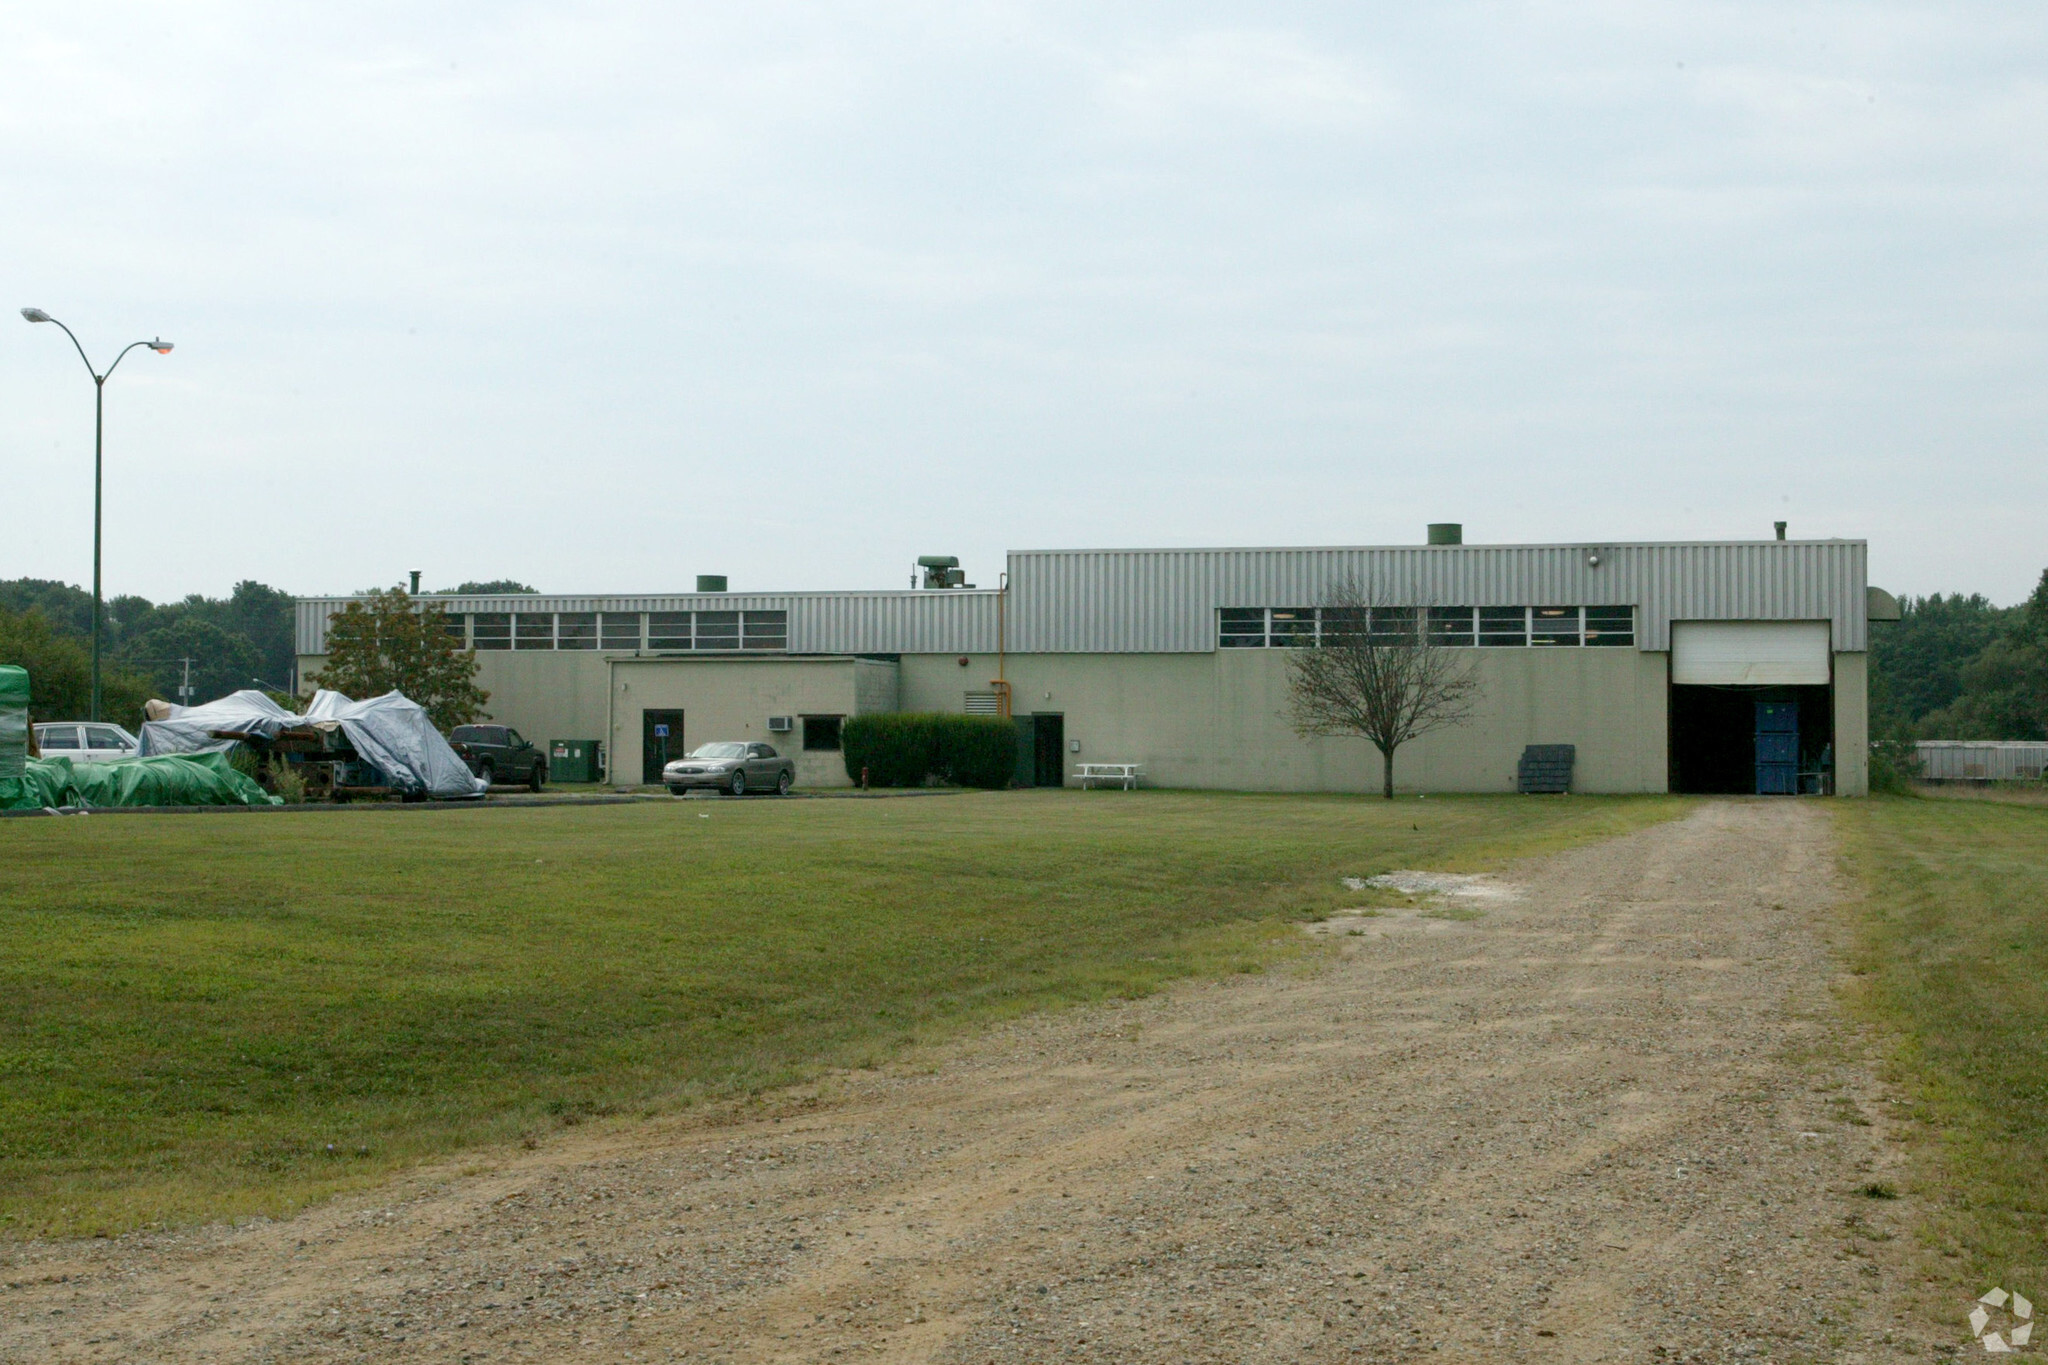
1952	964
206	1016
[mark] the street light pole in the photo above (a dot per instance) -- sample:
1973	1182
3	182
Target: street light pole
99	423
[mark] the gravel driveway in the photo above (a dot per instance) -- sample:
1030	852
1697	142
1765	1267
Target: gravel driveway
1605	1112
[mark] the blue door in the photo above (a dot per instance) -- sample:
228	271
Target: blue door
1777	748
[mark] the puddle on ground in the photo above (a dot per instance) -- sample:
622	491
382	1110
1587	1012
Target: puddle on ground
1439	902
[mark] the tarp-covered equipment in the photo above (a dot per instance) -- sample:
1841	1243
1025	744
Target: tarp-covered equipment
391	732
207	779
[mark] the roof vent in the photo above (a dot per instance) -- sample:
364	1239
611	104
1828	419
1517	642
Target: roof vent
942	571
710	582
1446	533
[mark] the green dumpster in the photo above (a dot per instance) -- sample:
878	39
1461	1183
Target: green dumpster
573	760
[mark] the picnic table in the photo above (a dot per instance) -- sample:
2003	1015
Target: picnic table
1125	774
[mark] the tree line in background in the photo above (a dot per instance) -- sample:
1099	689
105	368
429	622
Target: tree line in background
1957	667
241	640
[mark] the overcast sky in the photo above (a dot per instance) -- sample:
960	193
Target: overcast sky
602	296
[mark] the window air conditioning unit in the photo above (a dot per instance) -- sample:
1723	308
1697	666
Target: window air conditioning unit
779	725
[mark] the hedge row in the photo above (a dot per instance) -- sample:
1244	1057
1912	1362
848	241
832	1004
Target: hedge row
905	749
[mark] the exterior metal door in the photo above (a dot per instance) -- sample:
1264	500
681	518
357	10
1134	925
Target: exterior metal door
1041	750
661	739
1051	747
1777	748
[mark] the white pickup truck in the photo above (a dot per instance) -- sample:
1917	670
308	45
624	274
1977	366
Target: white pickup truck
84	741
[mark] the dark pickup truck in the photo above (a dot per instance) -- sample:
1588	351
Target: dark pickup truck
496	753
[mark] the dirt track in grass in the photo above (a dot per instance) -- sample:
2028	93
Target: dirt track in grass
1614	1116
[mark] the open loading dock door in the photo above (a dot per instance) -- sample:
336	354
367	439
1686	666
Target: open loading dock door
1752	707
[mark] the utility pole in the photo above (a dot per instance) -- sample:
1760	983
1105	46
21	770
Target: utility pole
185	687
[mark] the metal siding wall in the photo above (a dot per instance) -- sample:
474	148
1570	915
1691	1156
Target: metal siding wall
1992	760
1164	601
938	621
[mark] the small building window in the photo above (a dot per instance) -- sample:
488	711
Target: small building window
1502	626
718	630
621	630
1393	626
533	630
1610	626
491	630
822	732
1553	625
1293	627
668	630
456	625
576	630
767	630
1451	626
1343	625
1241	628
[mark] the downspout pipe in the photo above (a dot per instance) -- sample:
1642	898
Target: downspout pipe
1003	642
611	721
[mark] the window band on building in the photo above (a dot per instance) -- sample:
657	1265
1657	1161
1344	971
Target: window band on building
616	632
1481	627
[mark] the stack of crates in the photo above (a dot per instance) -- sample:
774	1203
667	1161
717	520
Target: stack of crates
1777	748
1546	768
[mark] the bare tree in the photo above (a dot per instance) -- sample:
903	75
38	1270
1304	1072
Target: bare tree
1373	671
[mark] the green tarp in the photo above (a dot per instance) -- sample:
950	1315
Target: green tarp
166	780
13	731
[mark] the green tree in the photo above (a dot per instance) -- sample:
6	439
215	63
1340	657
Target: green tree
68	610
260	614
60	673
222	661
494	587
1374	672
387	642
2003	691
1917	662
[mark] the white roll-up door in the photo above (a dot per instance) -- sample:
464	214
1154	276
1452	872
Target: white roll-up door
1756	653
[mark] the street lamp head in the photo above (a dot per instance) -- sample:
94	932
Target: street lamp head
160	346
35	315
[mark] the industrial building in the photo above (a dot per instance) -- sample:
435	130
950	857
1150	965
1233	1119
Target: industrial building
1663	664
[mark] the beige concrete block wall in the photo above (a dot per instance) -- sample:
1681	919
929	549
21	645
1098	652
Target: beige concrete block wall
1852	724
1194	720
562	694
732	699
1219	720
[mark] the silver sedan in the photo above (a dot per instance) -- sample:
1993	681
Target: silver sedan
736	766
